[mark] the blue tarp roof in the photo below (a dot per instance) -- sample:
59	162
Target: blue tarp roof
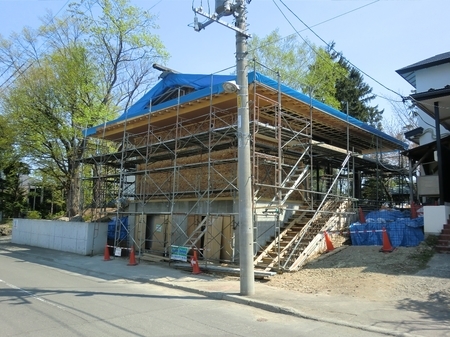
205	85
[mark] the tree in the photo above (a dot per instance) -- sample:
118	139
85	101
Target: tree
404	118
320	81
12	193
321	73
7	152
287	56
92	67
355	95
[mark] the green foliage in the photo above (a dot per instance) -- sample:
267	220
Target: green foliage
284	55
12	195
56	215
93	65
320	82
319	72
34	215
372	190
352	90
8	136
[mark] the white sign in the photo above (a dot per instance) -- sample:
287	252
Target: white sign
118	251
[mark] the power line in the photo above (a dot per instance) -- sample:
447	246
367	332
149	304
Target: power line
17	70
317	24
331	47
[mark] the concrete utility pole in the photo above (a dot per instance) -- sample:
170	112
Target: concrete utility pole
223	8
247	277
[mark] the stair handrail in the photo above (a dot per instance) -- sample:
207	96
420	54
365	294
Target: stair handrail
319	237
293	240
291	172
316	214
264	253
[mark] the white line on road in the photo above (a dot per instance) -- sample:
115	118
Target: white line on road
32	295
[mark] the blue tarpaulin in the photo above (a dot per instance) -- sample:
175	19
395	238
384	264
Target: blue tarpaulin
401	230
207	85
121	224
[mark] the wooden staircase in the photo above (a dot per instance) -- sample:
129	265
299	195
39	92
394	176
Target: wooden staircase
272	253
276	254
286	250
443	245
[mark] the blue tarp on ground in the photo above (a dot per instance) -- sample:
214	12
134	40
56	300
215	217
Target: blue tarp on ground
401	230
121	223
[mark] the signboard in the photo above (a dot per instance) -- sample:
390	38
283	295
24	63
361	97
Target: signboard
118	251
179	253
428	185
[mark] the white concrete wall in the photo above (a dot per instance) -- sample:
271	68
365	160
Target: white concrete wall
82	238
434	218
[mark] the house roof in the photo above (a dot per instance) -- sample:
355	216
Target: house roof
200	88
409	72
434	99
425	152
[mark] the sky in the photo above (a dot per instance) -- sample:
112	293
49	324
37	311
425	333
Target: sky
377	36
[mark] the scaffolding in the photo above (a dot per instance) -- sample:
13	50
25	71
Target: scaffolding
168	177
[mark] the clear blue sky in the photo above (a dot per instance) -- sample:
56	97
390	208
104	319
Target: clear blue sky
379	38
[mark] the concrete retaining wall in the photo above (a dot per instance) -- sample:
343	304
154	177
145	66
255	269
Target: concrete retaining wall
82	238
435	217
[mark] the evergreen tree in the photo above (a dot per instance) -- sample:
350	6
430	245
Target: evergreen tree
354	94
320	81
12	194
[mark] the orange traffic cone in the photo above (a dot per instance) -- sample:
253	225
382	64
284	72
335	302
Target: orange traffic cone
362	218
387	248
194	264
106	256
132	258
413	210
328	242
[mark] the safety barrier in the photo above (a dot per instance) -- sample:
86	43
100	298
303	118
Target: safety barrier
118	252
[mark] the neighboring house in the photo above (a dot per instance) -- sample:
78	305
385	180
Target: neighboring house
431	81
180	143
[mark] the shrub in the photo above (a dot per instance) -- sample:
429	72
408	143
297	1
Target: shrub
34	215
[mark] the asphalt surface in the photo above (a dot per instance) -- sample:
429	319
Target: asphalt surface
395	319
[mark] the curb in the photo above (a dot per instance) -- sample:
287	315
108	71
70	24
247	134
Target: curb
278	309
270	307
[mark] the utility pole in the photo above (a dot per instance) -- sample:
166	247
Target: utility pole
238	9
247	277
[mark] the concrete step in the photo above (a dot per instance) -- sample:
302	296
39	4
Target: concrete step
443	249
444	237
443	243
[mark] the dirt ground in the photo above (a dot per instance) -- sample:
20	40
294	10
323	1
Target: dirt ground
365	272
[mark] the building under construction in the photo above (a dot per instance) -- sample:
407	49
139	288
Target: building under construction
168	170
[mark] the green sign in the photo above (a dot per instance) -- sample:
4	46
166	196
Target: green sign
179	253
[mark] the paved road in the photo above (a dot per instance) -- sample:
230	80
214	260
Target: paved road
39	300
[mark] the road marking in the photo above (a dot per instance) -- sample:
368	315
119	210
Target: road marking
32	295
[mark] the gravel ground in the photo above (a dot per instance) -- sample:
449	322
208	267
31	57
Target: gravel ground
365	272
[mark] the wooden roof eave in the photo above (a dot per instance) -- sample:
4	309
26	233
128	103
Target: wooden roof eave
358	136
114	130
